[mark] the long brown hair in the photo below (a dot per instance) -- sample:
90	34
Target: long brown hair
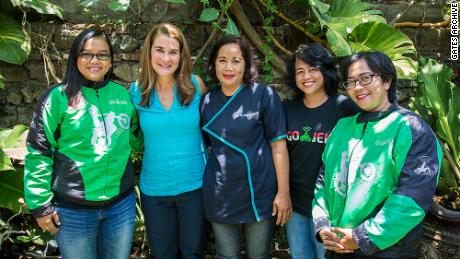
182	76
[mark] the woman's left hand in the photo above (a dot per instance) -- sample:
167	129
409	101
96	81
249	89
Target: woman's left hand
347	240
282	207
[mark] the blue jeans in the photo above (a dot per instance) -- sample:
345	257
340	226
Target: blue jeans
257	236
300	232
175	225
97	233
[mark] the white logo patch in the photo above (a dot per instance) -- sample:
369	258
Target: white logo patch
367	172
423	169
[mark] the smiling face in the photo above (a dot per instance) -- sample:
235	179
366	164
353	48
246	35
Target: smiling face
371	97
93	68
230	66
165	55
308	79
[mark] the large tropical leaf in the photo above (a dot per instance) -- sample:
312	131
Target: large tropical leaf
13	138
394	43
41	6
338	43
14	41
442	98
340	18
11	184
12	141
344	16
5	162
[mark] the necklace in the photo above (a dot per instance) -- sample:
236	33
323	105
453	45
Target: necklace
162	97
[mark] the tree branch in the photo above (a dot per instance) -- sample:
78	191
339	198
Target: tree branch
295	25
401	14
275	41
214	33
423	25
249	30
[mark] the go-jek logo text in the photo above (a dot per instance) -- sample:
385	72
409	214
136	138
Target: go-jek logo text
307	136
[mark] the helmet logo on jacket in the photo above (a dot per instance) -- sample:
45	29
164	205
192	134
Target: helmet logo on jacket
103	129
367	172
424	169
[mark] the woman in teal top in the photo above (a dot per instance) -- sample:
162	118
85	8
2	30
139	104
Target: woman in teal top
167	97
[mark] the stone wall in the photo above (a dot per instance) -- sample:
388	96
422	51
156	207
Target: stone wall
26	82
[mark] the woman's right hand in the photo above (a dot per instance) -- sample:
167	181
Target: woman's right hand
49	222
332	241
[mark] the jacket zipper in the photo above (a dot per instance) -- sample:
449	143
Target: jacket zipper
348	167
105	131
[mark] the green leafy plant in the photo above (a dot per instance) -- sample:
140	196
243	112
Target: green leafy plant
438	102
12	141
211	15
353	26
15	44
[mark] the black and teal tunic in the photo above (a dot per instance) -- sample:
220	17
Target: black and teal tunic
239	183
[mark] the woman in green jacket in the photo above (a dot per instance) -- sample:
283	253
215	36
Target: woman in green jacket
380	169
78	179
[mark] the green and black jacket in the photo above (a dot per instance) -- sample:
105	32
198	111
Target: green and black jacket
79	150
379	176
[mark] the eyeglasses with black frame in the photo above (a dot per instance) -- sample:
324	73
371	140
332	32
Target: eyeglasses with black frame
362	80
90	56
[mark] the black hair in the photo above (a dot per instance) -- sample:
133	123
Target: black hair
315	55
73	78
379	63
250	69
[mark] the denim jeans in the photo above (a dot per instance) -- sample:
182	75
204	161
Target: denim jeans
97	233
175	225
257	236
300	232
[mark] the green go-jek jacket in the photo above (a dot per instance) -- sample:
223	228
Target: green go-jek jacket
379	176
79	150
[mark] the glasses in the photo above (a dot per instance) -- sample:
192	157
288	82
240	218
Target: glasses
362	80
90	56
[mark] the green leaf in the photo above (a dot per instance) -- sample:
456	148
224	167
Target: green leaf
14	138
118	5
209	14
44	7
11	184
176	1
14	41
2	82
344	16
5	162
338	43
379	36
442	98
88	3
231	28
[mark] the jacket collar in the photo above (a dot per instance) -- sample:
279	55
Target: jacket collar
93	84
375	116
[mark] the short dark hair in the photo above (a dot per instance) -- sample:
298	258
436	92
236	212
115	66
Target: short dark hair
250	69
315	55
73	78
379	63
